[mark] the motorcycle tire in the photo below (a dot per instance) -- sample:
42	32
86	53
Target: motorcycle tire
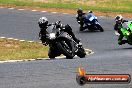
81	52
67	57
53	52
100	28
129	40
64	50
51	56
91	28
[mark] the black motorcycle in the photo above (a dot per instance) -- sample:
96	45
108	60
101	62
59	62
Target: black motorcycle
91	23
61	42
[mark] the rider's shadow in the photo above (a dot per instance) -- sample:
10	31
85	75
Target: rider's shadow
121	48
128	48
88	31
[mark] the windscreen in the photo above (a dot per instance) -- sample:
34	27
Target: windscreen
125	25
51	29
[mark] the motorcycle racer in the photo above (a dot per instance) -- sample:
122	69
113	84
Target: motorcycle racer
43	24
117	27
80	17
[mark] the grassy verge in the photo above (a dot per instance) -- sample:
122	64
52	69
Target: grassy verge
97	5
16	50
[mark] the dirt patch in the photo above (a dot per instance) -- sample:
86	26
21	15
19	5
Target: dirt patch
70	11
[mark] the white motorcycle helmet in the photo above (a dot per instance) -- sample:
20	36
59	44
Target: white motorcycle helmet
118	18
43	22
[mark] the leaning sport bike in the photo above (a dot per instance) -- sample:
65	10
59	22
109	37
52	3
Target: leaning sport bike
92	23
61	42
127	32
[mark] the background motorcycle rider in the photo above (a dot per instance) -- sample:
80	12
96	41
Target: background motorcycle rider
80	17
43	24
117	27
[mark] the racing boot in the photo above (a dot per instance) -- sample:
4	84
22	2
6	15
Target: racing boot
119	42
81	27
120	39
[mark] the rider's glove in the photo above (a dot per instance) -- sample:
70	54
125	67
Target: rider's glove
79	44
45	43
58	24
125	21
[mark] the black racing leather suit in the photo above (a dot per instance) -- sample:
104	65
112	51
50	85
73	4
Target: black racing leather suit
80	20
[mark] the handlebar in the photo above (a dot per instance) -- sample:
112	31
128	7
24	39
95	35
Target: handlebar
57	22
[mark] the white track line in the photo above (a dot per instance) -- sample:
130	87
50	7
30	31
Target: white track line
2	37
9	61
11	8
21	9
1	7
34	10
65	13
30	41
53	12
16	39
10	38
22	40
43	11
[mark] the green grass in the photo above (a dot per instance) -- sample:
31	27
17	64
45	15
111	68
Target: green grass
16	50
97	5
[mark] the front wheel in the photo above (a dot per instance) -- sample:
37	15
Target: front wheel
66	48
100	28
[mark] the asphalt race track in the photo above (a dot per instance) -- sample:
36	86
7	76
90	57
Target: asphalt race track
108	56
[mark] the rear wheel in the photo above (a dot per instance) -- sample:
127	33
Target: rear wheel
129	40
91	28
53	52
